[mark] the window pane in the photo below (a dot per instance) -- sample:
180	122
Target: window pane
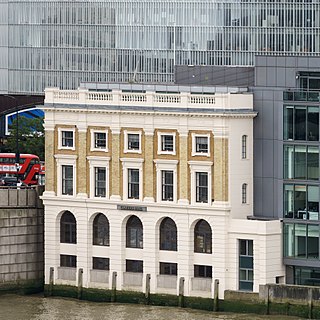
300	162
133	183
167	143
67	180
167	185
100	182
201	187
313	242
288	123
300	123
133	141
300	233
168	268
288	240
288	201
100	140
202	144
313	124
313	163
134	266
300	197
100	263
313	202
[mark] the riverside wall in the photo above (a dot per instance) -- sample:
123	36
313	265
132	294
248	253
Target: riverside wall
21	240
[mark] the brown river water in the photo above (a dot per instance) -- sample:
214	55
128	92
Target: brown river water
36	307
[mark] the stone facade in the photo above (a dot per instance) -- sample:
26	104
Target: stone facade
197	140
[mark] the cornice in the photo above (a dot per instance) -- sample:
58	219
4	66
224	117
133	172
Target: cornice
247	114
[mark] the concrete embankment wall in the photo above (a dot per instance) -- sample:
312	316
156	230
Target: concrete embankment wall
21	240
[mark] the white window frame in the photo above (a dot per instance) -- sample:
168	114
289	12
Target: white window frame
169	165
160	134
60	146
92	135
194	146
246	195
101	162
132	163
66	160
126	150
200	166
244	147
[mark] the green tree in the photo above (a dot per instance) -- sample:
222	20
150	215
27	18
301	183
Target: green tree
30	136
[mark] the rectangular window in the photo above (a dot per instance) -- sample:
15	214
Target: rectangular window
167	143
301	202
244	193
244	147
202	187
68	261
202	271
301	123
100	140
169	268
67	139
202	144
100	263
133	183
167	185
100	182
133	141
134	266
67	180
246	265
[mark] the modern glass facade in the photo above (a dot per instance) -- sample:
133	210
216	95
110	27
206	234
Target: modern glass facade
60	43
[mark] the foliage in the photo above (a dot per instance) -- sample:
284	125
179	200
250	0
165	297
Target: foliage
30	136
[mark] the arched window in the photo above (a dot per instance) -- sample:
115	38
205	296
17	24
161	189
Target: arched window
134	233
202	237
68	228
244	193
168	235
101	233
244	147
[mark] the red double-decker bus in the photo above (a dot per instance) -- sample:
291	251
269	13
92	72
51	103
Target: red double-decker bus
28	167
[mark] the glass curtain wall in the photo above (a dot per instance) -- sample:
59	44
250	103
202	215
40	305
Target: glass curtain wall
60	43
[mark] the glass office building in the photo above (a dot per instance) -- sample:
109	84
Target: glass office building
60	43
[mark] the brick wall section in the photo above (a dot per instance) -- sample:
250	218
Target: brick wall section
82	163
21	242
220	177
49	161
149	182
183	178
115	171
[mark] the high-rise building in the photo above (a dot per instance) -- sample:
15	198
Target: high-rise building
60	43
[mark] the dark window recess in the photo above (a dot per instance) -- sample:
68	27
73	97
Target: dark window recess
168	268
134	233
134	266
101	230
202	237
246	265
168	235
68	228
68	261
100	263
202	271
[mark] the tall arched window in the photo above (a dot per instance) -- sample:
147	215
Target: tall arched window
68	228
244	147
202	237
134	233
168	235
244	193
101	234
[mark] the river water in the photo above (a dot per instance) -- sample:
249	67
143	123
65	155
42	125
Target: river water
36	307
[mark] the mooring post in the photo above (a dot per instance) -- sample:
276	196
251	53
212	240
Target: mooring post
310	303
80	283
147	294
267	299
114	287
181	292
51	281
216	296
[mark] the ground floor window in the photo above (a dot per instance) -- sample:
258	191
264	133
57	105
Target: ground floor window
68	261
168	268
246	265
202	271
100	263
134	266
307	276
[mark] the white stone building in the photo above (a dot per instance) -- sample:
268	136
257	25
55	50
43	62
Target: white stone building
146	181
